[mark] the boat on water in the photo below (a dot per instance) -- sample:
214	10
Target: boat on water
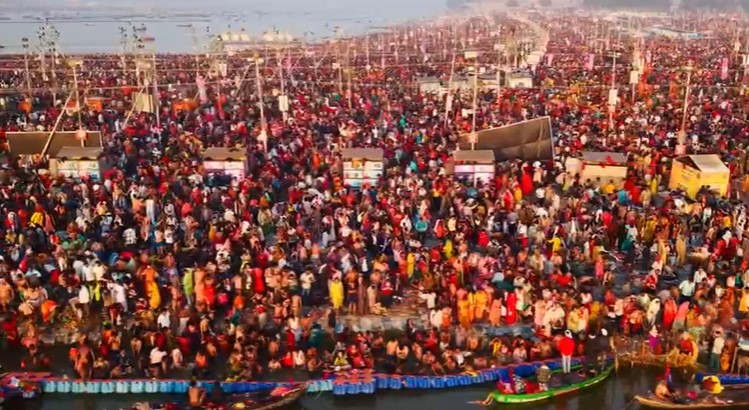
276	398
652	402
524	398
184	25
13	387
148	39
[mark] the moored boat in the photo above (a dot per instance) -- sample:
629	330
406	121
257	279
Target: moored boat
505	398
276	398
656	403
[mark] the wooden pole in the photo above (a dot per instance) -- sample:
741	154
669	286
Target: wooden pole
448	100
54	128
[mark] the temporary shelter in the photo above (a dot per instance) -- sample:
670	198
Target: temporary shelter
475	165
229	161
692	172
78	162
362	166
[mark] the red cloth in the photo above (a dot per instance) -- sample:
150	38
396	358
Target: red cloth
567	346
526	184
512	313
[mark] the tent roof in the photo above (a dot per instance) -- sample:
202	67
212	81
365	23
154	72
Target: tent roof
529	140
78	153
373	154
428	80
705	163
594	157
223	154
31	143
481	155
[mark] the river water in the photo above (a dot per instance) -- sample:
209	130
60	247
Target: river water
297	17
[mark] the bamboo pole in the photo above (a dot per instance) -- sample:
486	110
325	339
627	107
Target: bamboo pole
57	124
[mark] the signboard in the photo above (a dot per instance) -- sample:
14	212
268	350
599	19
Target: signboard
233	165
68	169
483	173
213	165
464	169
357	172
88	168
233	168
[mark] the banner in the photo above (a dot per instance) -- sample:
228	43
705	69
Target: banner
591	62
202	92
724	68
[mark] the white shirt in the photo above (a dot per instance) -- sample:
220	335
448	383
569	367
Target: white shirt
429	298
164	321
177	357
307	278
84	296
157	355
718	345
130	237
687	288
699	276
98	271
78	267
435	318
88	273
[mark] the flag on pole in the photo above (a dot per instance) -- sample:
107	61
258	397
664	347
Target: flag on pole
591	62
202	92
724	68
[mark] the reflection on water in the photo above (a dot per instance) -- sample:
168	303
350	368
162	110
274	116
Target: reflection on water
615	394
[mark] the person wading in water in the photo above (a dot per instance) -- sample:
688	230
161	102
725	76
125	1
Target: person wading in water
195	395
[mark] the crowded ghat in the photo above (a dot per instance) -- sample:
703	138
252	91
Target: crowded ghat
278	209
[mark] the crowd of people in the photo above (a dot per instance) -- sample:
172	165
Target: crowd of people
170	268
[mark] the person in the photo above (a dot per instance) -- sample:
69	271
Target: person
195	395
662	391
543	376
711	384
567	349
592	350
717	349
217	393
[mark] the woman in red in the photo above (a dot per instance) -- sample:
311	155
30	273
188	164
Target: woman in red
567	349
669	313
512	313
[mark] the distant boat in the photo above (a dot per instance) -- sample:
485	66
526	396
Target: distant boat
184	25
148	39
88	25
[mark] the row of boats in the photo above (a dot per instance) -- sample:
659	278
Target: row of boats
707	395
545	384
279	397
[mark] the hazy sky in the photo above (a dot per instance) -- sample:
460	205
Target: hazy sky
299	17
373	6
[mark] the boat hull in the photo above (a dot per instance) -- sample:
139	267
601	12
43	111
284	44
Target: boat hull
546	395
290	397
654	403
